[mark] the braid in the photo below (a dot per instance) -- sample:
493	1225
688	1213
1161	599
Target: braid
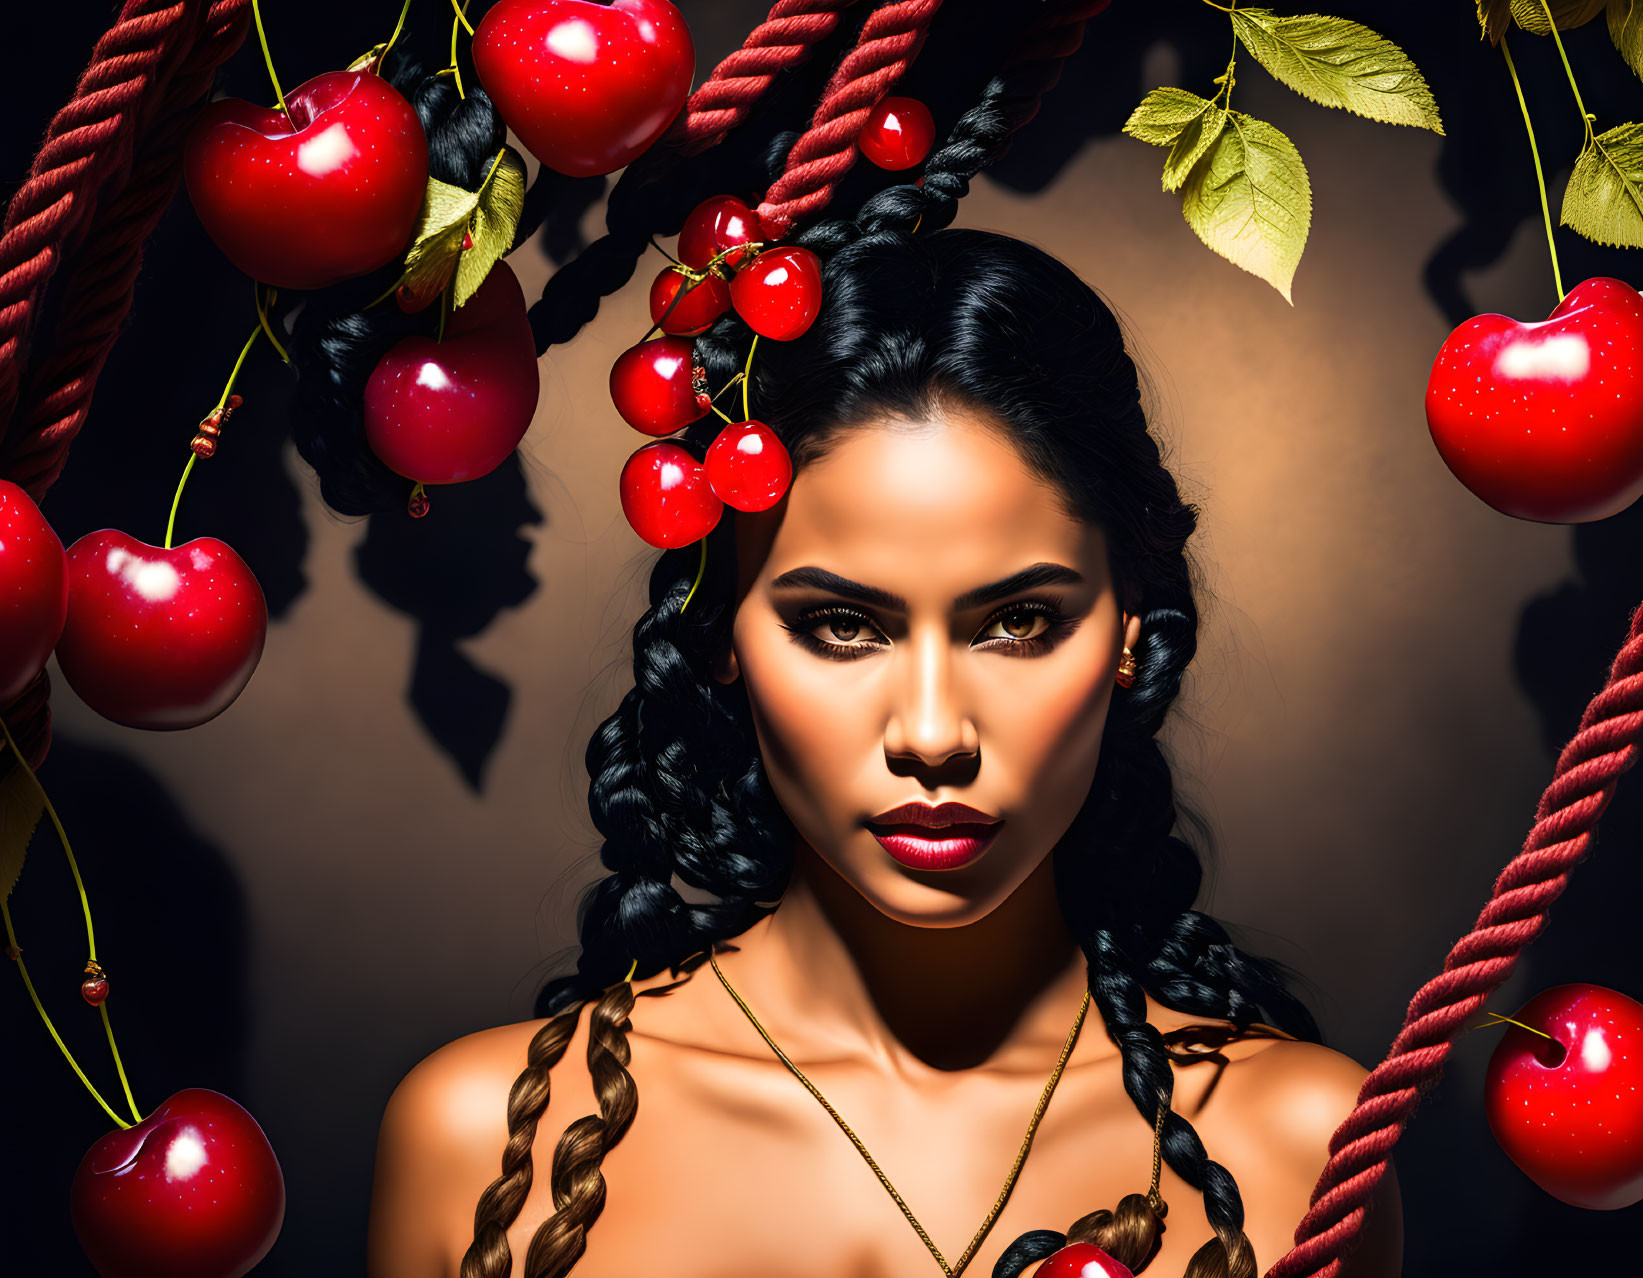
488	1255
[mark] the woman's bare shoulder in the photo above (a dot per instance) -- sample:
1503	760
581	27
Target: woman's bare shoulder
441	1141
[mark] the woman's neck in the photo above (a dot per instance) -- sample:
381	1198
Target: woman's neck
830	976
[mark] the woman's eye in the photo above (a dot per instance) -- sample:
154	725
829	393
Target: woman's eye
841	628
1020	625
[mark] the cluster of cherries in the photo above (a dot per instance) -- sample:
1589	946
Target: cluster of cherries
726	261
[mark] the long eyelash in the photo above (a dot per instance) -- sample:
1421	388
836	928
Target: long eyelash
1060	626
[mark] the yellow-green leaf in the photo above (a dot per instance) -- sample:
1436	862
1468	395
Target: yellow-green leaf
21	805
1182	121
1339	64
440	230
1604	198
1494	16
1626	30
1249	199
1531	14
495	219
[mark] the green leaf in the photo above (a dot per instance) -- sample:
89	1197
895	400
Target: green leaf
21	805
1182	121
1249	199
1339	64
440	230
495	219
1530	15
1626	30
1604	198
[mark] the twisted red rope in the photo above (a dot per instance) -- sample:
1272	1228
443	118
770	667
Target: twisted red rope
101	276
889	41
784	39
87	141
1583	782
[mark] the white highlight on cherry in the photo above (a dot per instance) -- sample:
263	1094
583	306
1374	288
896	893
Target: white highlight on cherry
154	580
185	1155
326	151
432	376
574	40
1566	355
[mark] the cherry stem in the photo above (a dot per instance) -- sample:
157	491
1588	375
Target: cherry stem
91	945
747	374
222	401
701	568
1585	119
461	16
1540	174
664	252
399	26
1507	1020
262	36
722	413
456	25
727	386
262	319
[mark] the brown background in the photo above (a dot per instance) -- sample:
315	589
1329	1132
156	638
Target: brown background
378	847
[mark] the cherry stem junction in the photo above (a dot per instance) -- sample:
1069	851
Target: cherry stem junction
16	951
1540	174
1507	1020
262	38
1585	117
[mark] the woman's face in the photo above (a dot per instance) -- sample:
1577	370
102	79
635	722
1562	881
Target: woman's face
921	622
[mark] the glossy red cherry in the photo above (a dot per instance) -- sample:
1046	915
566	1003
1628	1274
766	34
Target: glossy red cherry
157	638
665	495
1544	420
326	192
898	134
748	467
1081	1260
706	300
586	87
778	293
441	412
651	386
94	989
192	1191
1567	1109
33	591
715	225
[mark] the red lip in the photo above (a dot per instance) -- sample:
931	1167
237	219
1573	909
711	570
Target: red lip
934	815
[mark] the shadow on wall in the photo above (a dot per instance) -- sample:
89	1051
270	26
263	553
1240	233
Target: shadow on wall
171	920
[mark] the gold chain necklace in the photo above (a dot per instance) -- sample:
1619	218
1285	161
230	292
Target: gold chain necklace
1020	1158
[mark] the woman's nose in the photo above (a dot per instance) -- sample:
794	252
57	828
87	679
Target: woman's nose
927	720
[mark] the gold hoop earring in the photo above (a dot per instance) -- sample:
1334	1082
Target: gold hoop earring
1126	668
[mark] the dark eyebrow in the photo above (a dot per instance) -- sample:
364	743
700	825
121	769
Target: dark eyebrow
1040	574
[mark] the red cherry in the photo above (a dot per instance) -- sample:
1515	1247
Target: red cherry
94	989
651	386
779	292
715	225
706	300
586	87
1544	420
192	1191
1081	1260
325	192
33	591
898	134
159	638
748	467
444	412
1567	1111
666	497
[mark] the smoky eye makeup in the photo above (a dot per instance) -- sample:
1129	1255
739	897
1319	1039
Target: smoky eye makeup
1044	620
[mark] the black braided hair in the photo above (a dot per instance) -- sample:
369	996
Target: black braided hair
339	337
910	323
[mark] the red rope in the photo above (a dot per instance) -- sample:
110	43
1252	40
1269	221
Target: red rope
889	41
101	276
784	39
87	141
1583	782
